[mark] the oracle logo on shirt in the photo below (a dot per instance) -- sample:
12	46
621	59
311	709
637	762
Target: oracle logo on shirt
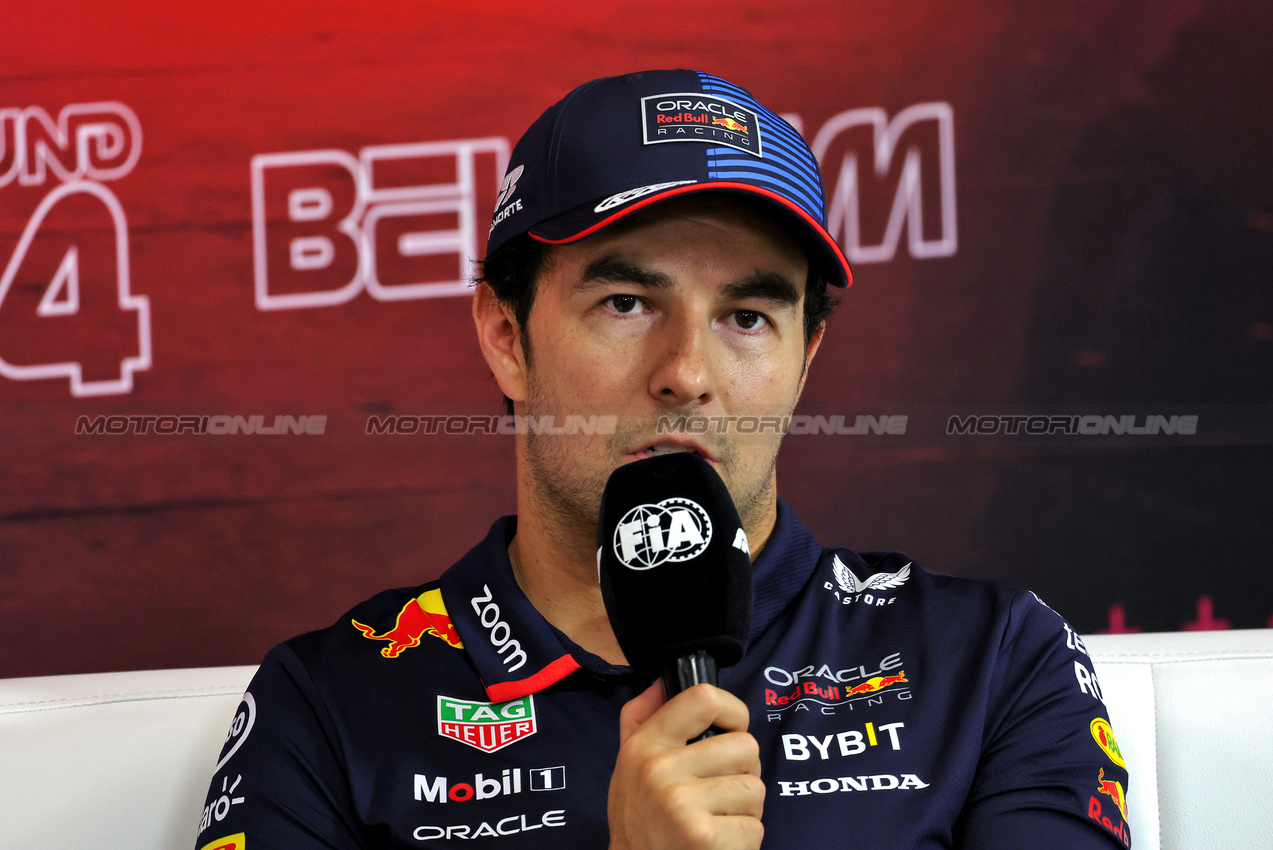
511	825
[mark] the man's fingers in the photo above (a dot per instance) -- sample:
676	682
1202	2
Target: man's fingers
728	754
741	831
639	709
691	712
742	795
666	792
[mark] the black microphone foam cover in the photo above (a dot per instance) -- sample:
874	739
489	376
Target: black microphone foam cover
674	563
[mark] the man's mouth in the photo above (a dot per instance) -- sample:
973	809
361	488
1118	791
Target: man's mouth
664	447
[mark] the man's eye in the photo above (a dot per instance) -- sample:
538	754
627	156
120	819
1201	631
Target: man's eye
750	320
624	303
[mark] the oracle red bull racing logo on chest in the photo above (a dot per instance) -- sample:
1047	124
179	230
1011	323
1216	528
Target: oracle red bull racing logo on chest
487	726
825	689
694	117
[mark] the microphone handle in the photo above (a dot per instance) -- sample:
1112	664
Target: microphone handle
686	672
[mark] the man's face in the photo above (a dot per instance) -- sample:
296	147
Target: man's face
692	308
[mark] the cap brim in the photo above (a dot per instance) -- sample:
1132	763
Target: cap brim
584	221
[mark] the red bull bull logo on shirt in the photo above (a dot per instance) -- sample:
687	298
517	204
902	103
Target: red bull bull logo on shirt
877	683
1114	790
1096	811
831	695
426	614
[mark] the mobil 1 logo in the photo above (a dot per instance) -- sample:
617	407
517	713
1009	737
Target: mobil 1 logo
441	789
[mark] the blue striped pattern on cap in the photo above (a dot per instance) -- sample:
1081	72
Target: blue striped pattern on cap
786	165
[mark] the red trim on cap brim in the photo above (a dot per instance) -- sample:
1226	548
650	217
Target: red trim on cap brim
701	187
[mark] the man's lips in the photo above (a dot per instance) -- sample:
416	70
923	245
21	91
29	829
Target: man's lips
668	446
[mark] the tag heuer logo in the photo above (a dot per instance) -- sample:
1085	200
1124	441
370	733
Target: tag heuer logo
488	726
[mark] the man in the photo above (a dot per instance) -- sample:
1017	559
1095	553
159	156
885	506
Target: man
657	251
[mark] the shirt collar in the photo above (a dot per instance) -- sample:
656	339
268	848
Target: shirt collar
782	568
517	652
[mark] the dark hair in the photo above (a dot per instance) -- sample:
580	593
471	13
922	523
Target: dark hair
512	272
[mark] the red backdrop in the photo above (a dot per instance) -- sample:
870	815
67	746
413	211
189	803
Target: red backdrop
1057	211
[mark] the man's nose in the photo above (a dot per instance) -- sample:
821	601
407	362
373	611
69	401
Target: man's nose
684	371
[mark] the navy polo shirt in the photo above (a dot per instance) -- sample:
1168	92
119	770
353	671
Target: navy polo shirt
894	707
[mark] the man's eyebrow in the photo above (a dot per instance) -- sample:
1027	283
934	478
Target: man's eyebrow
611	268
767	286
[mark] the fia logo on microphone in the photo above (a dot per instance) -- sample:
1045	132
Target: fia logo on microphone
675	529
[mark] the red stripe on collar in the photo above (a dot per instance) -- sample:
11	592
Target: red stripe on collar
551	674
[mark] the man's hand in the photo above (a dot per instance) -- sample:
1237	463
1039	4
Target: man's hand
668	794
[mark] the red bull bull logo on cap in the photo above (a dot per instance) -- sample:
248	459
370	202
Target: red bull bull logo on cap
426	614
730	124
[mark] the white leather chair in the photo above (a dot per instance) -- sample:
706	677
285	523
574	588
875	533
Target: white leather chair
1193	713
111	761
121	761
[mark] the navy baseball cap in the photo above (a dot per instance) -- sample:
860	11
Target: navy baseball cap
619	144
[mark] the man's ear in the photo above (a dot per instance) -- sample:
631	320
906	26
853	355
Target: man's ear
500	338
814	342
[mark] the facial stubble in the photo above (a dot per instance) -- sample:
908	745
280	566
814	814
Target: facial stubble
567	492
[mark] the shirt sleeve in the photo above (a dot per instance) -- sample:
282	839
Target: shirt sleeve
280	780
1051	775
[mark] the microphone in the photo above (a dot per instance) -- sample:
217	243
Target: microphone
675	570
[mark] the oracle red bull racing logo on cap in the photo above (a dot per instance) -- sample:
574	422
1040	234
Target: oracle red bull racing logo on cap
675	529
423	615
696	117
487	726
